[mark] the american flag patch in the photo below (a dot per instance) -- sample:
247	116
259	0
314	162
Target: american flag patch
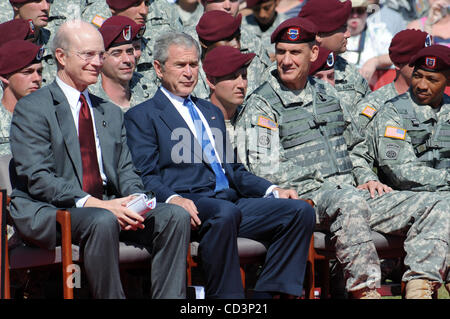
369	111
98	21
395	132
267	123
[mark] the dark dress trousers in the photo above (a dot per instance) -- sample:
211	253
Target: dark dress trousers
167	156
47	157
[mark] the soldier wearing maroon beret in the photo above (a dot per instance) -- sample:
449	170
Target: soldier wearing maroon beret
119	82
283	132
323	67
227	81
20	74
408	142
38	12
218	28
404	45
330	17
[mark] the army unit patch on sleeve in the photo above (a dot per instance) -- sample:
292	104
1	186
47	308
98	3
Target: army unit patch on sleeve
395	132
98	21
369	111
267	123
392	151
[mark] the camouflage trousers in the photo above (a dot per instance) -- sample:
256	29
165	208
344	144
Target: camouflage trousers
350	215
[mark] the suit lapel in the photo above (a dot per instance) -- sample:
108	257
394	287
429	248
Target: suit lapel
174	121
68	129
101	126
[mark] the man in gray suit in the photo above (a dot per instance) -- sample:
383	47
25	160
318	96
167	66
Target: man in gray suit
66	159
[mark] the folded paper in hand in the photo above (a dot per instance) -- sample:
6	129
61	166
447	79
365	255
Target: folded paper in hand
141	204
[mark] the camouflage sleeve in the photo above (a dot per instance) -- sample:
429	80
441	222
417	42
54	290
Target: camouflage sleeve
394	155
356	144
257	141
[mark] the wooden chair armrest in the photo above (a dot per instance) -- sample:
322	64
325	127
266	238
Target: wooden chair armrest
63	218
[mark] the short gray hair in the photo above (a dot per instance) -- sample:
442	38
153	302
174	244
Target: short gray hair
163	42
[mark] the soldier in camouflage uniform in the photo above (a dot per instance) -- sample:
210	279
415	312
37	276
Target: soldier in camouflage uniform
293	131
227	81
330	17
263	20
19	77
216	28
408	141
38	12
119	83
404	46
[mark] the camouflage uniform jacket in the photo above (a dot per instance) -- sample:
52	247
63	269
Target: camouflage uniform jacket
192	18
5	124
350	84
410	144
373	103
48	63
251	24
300	139
6	11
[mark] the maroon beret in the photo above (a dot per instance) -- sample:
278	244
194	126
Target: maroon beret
405	44
114	35
294	30
137	30
121	4
217	25
224	60
327	15
254	3
16	29
435	58
325	61
17	54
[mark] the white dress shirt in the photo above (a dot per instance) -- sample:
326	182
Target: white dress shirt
73	97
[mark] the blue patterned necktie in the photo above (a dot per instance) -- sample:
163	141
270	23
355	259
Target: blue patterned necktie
208	149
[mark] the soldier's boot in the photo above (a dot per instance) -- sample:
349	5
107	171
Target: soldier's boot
421	289
365	293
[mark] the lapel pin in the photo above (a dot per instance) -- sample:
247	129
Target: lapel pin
104	123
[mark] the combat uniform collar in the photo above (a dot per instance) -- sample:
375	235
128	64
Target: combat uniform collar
288	96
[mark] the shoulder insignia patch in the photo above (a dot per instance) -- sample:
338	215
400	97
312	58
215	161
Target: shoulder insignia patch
267	123
98	21
369	111
395	132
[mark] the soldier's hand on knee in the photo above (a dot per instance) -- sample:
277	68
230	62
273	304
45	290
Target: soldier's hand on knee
375	186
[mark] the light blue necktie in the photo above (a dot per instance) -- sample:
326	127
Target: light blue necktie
208	149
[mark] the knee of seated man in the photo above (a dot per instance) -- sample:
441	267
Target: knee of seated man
303	210
178	214
229	213
104	220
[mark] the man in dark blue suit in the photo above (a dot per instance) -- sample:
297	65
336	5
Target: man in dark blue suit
179	145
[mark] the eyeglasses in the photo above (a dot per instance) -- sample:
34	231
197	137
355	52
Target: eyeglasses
89	56
359	10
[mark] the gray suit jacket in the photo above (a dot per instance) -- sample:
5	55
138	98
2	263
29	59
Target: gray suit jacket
46	151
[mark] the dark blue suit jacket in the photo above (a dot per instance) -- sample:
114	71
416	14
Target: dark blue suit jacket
167	155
